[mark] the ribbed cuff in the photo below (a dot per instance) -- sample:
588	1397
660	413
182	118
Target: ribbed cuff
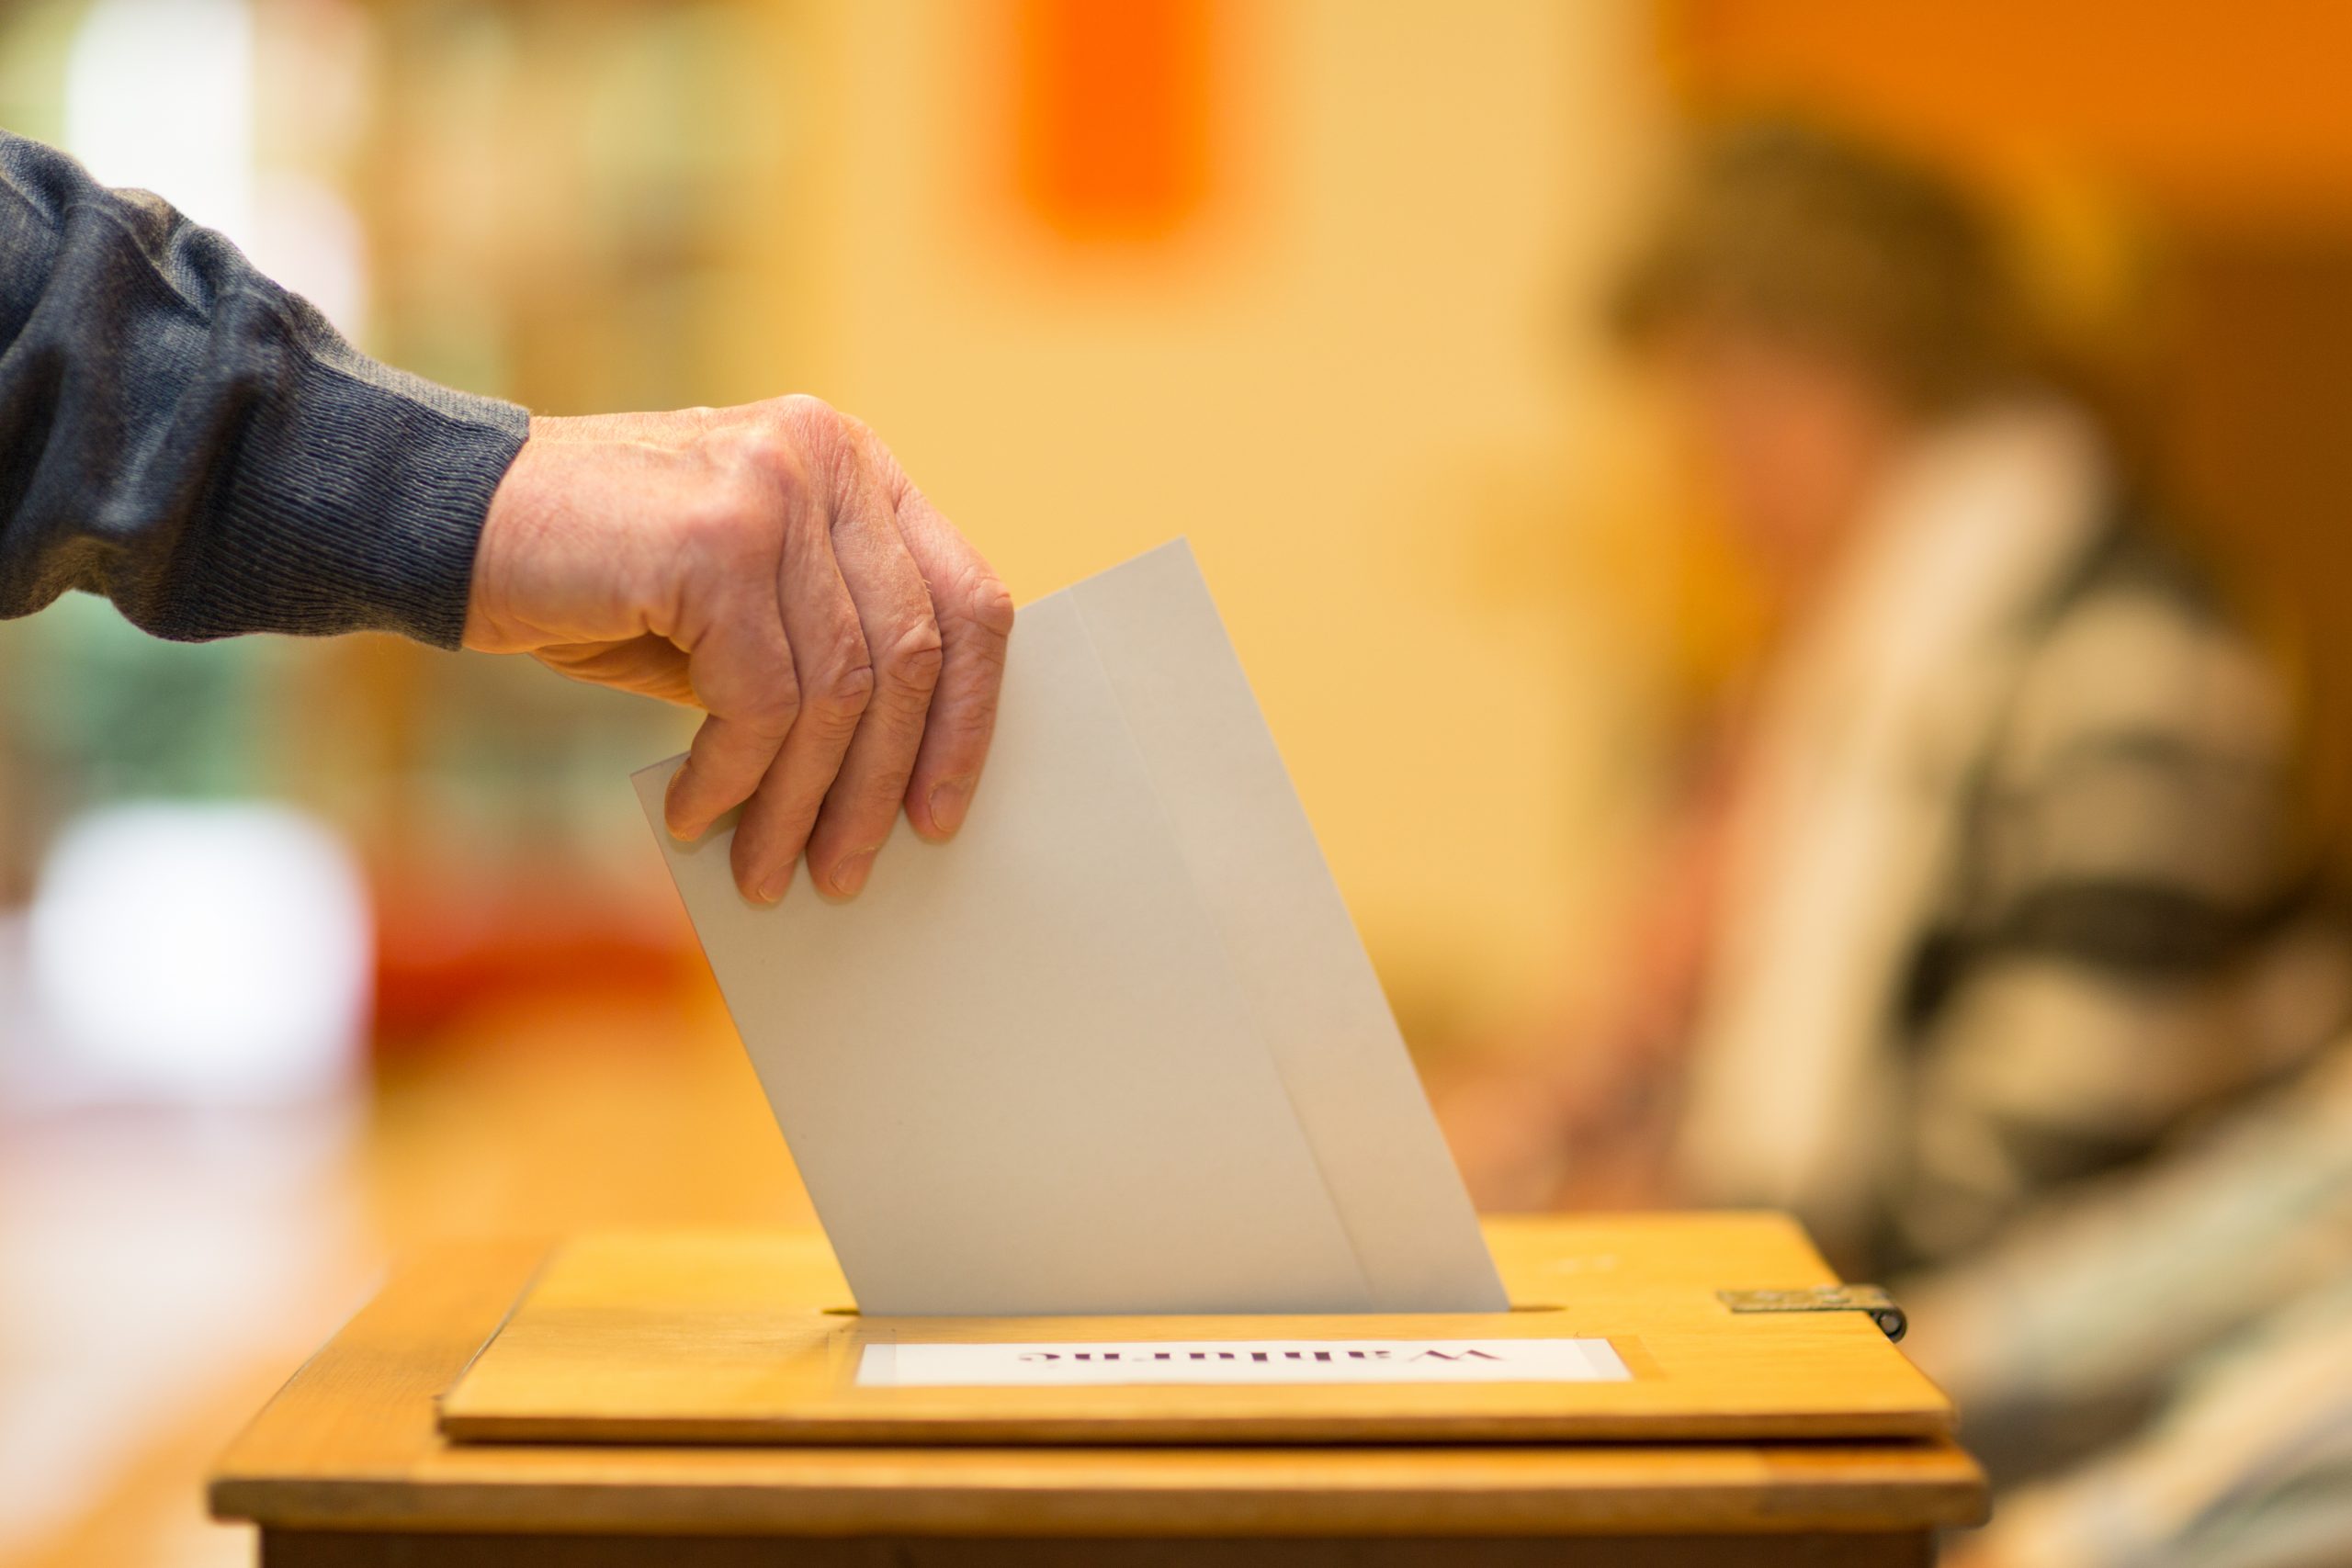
356	503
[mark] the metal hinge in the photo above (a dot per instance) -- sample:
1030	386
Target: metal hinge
1824	1298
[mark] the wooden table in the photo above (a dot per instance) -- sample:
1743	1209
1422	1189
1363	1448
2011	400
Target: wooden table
347	1468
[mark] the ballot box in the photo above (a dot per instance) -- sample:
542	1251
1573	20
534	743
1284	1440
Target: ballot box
1665	1389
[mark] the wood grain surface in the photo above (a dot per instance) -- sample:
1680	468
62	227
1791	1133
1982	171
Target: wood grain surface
748	1340
320	1550
351	1445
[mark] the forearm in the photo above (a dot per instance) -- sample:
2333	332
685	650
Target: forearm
183	437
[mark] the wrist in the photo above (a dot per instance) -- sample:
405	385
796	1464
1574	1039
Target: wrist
489	628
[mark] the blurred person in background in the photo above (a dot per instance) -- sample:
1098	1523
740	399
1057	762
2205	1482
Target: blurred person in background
183	437
1989	893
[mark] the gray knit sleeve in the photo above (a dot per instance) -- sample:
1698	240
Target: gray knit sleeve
188	439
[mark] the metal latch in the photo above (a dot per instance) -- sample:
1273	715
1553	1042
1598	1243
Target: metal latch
1825	1298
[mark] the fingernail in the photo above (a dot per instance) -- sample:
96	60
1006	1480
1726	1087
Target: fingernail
670	804
949	800
772	890
850	875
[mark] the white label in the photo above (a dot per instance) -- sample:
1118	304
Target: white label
1050	1365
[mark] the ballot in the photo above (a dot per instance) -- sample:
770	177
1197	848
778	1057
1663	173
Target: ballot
1116	1047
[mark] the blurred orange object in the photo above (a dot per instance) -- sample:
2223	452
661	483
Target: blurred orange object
1113	117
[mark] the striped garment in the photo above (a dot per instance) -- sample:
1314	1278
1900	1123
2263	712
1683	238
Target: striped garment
2022	984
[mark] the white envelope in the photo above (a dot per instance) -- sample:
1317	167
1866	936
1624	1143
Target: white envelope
1116	1048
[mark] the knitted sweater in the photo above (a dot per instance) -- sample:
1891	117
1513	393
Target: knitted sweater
183	437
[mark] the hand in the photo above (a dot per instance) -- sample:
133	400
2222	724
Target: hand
771	565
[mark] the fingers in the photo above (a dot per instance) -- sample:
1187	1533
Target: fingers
741	671
903	640
846	642
975	616
836	679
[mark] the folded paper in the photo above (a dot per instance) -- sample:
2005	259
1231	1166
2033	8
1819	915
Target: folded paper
1116	1048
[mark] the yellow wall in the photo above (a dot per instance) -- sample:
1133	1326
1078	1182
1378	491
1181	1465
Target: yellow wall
1358	382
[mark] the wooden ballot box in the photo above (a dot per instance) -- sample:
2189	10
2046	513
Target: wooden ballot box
1668	1390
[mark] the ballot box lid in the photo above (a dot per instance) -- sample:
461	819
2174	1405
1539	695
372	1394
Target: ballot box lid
1639	1328
350	1445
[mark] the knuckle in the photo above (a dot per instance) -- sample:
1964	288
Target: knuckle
846	684
986	603
913	660
776	705
803	408
846	692
771	459
814	428
841	446
817	419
